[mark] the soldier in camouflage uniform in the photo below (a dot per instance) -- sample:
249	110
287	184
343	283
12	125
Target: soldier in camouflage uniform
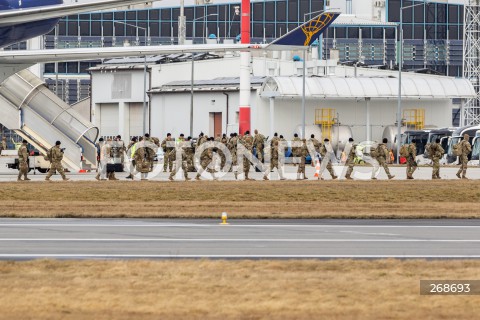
232	147
436	153
23	164
274	160
302	153
142	156
466	148
275	138
258	143
3	146
167	152
224	141
55	156
411	159
247	143
296	145
190	153
350	148
206	159
382	155
326	156
201	139
180	153
315	144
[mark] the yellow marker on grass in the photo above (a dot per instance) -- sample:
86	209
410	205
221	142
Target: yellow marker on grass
224	218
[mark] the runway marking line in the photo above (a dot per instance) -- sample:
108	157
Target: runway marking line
230	240
229	226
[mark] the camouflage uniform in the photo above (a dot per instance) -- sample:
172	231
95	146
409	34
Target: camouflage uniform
206	159
411	160
3	146
258	142
436	153
56	157
274	162
189	154
143	160
201	139
296	146
168	156
303	152
180	151
232	147
324	153
466	149
224	141
23	162
350	160
316	147
247	142
382	155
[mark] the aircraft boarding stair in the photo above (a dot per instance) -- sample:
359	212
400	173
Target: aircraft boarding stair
30	109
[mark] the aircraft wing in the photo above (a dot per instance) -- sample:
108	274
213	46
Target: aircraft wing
18	16
299	38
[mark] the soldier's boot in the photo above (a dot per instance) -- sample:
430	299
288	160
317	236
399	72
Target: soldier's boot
334	177
265	178
236	175
373	178
19	178
391	176
65	178
97	177
348	176
464	174
128	177
197	177
170	178
458	174
304	176
25	177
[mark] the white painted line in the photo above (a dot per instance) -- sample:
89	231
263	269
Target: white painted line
226	240
230	256
216	225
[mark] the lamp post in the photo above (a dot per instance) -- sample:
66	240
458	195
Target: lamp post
193	68
400	63
147	36
304	68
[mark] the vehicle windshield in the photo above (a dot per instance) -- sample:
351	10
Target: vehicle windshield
476	150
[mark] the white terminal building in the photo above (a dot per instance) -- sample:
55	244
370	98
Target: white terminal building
364	99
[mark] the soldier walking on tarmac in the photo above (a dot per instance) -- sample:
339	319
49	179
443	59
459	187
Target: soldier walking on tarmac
55	155
326	152
411	159
23	162
302	153
466	148
382	155
436	153
258	142
350	148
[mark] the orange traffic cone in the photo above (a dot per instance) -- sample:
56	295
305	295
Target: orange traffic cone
317	170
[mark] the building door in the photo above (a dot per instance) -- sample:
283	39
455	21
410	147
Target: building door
215	124
136	119
108	119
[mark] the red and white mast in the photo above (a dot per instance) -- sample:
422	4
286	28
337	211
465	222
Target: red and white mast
244	100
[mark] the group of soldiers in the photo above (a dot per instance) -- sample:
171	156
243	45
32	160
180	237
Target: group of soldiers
141	153
54	155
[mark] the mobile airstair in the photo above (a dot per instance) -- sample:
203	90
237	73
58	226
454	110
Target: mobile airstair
35	113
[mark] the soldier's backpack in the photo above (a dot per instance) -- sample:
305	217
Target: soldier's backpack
457	149
428	150
49	155
404	150
374	152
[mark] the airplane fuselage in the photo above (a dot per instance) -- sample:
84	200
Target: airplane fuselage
24	31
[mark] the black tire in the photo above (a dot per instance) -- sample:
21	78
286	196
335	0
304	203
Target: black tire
42	170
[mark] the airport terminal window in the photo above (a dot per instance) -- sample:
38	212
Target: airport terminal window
257	30
418	31
305	8
131	15
377	33
280	29
174	30
62	28
84	17
431	13
223	14
142	15
96	29
96	16
199	12
270	30
119	29
430	31
441	13
407	31
366	33
453	14
73	17
167	14
165	29
408	15
120	15
85	28
353	33
453	32
281	13
155	29
390	33
175	14
341	33
72	67
441	32
212	10
270	11
108	28
73	28
257	12
419	14
155	14
84	66
292	11
49	67
62	67
107	16
394	10
292	26
235	29
317	5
